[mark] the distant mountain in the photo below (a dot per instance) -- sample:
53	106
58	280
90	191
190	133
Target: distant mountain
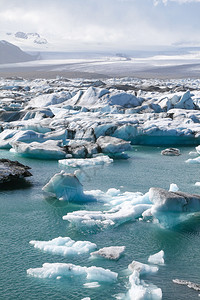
33	36
10	53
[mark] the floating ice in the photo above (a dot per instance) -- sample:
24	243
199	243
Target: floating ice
64	246
65	187
48	150
171	152
118	215
53	270
190	284
49	99
193	160
173	187
139	290
112	252
91	285
87	162
112	145
141	268
157	258
174	201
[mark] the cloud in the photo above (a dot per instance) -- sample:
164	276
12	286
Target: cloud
165	2
106	23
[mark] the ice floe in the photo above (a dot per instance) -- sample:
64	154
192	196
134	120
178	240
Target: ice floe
139	289
157	258
191	285
113	252
48	150
62	270
87	162
65	187
168	208
64	246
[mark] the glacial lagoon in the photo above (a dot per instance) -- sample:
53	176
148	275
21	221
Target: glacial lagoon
26	214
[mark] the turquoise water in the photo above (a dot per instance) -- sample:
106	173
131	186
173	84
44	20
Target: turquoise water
25	215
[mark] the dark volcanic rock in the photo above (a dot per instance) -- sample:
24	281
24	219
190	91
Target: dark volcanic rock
12	170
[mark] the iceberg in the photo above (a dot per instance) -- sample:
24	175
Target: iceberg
50	149
113	252
195	160
113	146
87	162
116	216
139	289
9	136
49	99
157	258
64	246
174	201
65	187
62	270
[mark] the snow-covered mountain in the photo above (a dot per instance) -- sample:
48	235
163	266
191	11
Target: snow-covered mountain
10	53
28	41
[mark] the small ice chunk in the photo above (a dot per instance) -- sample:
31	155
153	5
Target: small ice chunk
64	246
91	285
173	188
113	252
197	183
157	258
191	285
171	152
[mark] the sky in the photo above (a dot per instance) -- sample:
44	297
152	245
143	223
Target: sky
105	24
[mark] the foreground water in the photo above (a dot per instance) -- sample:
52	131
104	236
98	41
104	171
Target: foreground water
25	215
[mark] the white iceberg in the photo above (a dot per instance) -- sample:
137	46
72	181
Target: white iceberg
48	150
139	289
64	187
157	258
9	136
54	270
195	160
49	99
64	246
87	162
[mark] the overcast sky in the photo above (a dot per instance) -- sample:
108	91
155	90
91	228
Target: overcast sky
117	24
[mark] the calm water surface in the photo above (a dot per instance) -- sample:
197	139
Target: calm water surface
25	215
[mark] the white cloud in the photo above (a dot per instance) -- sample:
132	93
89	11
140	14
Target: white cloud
105	23
156	2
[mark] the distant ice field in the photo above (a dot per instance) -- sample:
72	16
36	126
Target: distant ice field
108	64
